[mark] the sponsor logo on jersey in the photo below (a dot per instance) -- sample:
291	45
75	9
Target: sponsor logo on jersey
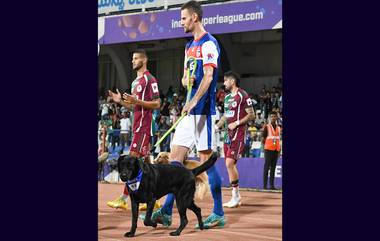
139	88
155	88
234	104
210	56
249	101
230	113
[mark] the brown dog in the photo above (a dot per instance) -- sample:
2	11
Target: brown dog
201	181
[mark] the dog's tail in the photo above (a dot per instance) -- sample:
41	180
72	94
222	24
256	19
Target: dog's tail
206	165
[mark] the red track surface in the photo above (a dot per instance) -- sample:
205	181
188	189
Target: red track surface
259	219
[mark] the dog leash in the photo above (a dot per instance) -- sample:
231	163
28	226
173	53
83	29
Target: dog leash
191	67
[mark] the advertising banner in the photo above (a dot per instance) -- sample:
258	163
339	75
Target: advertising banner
109	6
251	172
217	19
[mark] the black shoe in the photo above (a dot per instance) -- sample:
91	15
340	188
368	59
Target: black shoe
273	188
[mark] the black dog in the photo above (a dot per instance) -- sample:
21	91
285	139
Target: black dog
148	182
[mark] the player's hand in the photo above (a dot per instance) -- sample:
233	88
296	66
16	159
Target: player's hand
232	125
189	106
129	99
116	97
192	79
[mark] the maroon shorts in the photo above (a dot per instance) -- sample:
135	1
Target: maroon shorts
141	143
236	148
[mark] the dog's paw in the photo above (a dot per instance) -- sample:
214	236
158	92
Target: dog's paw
129	234
150	223
175	233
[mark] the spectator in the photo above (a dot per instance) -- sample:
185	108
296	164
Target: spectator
273	90
247	144
271	141
263	92
267	104
105	109
279	118
174	110
256	146
220	95
169	93
163	127
165	108
125	129
252	128
254	101
115	136
259	120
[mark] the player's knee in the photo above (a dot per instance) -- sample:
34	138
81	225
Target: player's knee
175	158
177	155
230	163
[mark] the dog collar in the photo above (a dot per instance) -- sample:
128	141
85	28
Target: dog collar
134	184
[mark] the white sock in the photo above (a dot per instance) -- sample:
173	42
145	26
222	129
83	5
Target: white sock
235	192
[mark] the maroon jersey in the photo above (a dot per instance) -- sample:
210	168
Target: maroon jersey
234	107
144	88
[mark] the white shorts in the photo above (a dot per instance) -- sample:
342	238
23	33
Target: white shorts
195	130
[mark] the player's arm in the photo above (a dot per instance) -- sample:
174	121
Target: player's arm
205	83
126	105
184	80
221	122
154	104
249	117
202	89
116	97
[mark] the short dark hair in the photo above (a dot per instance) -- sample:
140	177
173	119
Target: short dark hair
194	7
233	75
273	113
141	51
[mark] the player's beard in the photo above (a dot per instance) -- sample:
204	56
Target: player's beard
188	29
138	66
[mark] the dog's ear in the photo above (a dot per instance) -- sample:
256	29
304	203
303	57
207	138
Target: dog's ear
155	161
